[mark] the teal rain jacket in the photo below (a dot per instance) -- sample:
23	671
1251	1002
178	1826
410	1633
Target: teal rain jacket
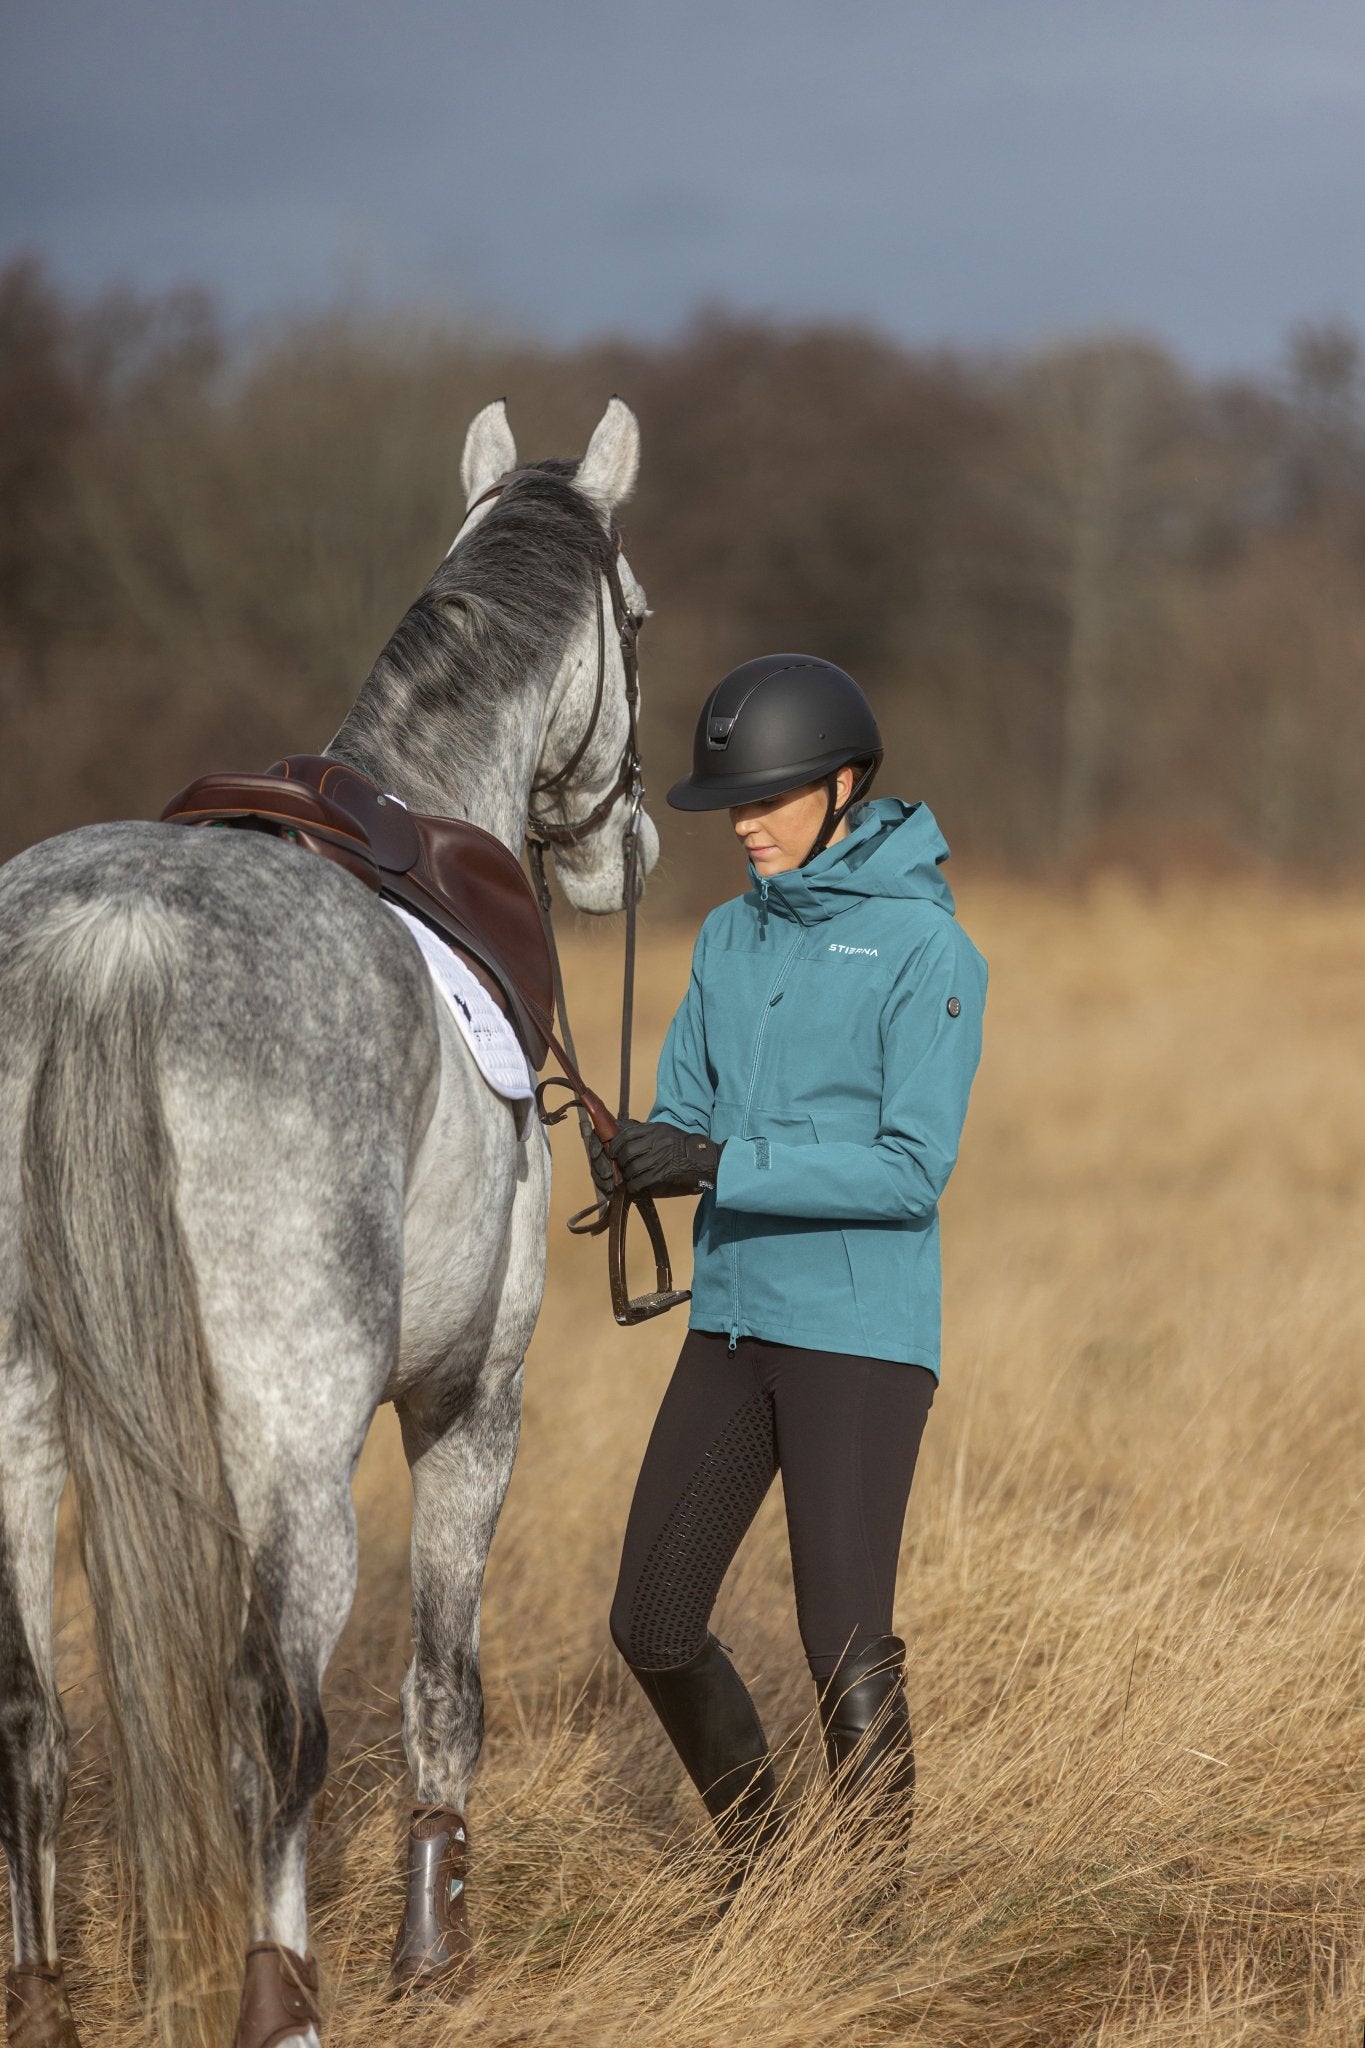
828	1037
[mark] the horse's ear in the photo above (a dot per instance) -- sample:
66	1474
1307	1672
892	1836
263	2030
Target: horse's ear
607	472
489	451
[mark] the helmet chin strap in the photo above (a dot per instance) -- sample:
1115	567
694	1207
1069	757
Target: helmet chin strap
834	810
833	813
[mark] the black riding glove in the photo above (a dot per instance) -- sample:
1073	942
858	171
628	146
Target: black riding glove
656	1159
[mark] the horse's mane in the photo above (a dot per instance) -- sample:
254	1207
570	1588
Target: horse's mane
497	609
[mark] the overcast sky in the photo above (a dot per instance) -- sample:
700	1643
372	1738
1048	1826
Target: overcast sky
989	172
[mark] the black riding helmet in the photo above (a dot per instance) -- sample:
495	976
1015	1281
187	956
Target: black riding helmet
775	724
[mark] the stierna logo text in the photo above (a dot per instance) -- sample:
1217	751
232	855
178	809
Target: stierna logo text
871	950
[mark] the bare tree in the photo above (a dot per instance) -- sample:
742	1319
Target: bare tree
1103	473
1325	452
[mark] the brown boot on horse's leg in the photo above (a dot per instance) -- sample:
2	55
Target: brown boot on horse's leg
433	1951
279	1996
36	2012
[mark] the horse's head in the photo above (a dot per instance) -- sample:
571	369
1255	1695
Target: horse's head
585	789
507	694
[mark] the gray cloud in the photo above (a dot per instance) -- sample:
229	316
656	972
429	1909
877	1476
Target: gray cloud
984	171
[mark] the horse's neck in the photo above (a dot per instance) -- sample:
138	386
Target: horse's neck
483	775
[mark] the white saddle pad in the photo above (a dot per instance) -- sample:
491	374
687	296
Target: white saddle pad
494	1044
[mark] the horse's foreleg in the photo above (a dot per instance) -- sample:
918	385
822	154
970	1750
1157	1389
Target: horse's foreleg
305	1570
459	1478
33	1738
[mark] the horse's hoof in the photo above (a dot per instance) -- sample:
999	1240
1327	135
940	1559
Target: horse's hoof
433	1955
279	1996
36	2012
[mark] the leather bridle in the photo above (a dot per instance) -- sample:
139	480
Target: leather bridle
628	775
611	1210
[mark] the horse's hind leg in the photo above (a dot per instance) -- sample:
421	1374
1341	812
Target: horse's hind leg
459	1477
305	1570
33	1741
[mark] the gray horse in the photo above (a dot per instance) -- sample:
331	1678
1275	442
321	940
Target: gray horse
251	1185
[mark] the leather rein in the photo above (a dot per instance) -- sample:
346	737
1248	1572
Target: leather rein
610	1211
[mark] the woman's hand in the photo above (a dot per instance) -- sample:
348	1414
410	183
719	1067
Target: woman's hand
656	1159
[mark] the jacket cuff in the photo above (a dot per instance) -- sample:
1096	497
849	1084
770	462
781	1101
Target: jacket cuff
744	1163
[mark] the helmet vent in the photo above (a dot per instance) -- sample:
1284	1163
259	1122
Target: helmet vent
718	731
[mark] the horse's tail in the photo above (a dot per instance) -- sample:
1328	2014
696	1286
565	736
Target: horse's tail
115	1306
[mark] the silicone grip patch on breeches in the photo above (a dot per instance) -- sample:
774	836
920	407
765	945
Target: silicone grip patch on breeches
660	1620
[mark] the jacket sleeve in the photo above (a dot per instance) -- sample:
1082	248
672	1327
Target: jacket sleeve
686	1092
931	1043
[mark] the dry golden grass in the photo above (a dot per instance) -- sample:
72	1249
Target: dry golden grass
1131	1578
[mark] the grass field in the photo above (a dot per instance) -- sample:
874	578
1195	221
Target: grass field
1131	1578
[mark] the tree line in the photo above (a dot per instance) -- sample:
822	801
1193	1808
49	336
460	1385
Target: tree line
1108	610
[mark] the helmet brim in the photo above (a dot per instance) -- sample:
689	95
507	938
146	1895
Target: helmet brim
723	792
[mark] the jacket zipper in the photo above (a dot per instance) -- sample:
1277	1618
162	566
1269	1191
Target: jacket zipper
773	993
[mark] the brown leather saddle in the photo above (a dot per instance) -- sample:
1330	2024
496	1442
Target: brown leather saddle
462	880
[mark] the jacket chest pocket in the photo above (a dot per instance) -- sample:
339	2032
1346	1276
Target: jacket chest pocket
838	990
821	1043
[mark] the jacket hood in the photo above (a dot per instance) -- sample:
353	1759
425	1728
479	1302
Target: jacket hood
892	849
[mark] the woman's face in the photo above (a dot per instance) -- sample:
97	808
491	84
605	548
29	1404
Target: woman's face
779	833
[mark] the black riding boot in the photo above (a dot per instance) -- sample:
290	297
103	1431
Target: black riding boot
711	1721
866	1722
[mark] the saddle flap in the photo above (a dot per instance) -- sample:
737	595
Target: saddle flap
485	885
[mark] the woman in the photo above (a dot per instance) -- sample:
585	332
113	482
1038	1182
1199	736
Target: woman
812	1089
